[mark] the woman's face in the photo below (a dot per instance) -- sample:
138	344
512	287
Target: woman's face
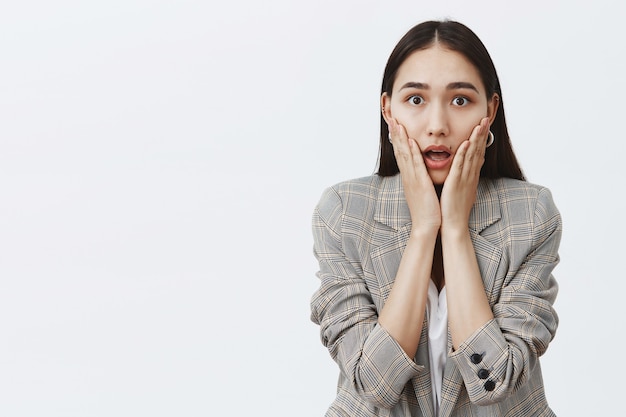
438	96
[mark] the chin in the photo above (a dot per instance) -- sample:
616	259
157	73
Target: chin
438	178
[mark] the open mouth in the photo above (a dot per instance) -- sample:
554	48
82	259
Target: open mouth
437	155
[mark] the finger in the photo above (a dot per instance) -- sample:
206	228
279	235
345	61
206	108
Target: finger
398	134
419	166
480	134
460	162
473	148
475	155
401	148
416	152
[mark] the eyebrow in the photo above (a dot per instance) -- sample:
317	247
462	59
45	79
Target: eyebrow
452	86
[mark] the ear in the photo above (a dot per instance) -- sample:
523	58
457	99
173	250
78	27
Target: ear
492	107
385	107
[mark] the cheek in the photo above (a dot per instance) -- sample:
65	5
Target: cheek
464	125
413	124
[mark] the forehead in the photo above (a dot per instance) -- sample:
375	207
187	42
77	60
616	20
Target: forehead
437	67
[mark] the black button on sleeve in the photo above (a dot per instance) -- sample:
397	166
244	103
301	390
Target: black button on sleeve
490	385
476	358
483	374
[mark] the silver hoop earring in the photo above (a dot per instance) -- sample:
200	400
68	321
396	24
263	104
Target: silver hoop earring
490	139
390	137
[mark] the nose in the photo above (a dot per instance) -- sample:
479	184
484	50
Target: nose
437	121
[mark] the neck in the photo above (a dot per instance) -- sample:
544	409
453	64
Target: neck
438	189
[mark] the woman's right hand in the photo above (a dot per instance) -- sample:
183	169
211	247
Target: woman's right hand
419	190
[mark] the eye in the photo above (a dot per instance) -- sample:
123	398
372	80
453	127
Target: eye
460	101
415	100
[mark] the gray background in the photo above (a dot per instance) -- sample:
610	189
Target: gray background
160	161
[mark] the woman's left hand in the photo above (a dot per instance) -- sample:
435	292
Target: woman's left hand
459	190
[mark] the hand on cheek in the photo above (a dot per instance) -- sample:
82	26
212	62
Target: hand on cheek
419	190
459	190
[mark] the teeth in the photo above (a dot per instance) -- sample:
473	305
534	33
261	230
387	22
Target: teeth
437	155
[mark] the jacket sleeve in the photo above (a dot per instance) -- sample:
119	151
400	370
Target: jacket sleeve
375	365
502	355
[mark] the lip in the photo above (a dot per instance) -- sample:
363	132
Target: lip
444	157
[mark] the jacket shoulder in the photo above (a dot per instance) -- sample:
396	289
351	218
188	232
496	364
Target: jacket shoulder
516	192
358	191
512	187
365	186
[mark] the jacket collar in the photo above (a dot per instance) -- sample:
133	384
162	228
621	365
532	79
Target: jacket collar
391	207
392	210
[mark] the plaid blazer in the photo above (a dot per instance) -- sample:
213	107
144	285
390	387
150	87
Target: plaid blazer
360	230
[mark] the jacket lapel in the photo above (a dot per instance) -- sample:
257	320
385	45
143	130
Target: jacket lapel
391	207
486	209
485	213
391	231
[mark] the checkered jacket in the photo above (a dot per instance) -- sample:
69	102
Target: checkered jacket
360	230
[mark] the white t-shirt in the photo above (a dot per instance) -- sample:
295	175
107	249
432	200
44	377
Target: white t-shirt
437	314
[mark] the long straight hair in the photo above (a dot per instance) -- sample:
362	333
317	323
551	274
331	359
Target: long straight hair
500	160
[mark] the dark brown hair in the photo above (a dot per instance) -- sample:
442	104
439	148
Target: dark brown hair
500	161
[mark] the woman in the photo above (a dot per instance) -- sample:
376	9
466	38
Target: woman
437	293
